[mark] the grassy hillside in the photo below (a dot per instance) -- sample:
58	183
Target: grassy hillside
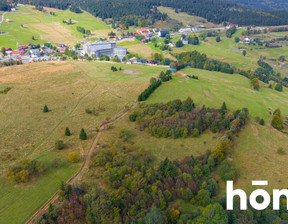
68	89
44	26
184	18
213	88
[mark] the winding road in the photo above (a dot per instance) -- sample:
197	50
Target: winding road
84	166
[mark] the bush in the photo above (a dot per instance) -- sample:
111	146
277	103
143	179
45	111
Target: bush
262	122
125	134
59	144
73	157
281	151
279	87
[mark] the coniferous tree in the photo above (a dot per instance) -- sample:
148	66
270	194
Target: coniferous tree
83	135
67	132
45	109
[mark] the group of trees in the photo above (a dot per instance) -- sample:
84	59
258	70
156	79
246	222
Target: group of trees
140	13
25	170
10	63
198	60
141	193
181	119
4	5
82	30
231	31
154	84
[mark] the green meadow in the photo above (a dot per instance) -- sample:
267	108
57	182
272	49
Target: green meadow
214	88
45	27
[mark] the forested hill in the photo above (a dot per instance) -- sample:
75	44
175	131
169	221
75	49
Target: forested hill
264	4
216	11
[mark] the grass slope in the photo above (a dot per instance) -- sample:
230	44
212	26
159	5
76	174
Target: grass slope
45	27
213	88
26	132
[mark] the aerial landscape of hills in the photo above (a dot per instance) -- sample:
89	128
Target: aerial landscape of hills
126	111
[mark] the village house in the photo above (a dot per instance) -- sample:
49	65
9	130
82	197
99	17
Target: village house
172	44
185	30
231	25
184	40
34	52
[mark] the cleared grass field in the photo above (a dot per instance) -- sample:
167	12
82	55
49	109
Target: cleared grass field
185	18
44	26
68	89
213	88
255	157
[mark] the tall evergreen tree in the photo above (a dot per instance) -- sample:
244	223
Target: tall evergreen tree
45	109
67	132
83	135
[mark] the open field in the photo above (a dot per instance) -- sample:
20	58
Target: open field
161	147
255	157
68	89
213	88
44	26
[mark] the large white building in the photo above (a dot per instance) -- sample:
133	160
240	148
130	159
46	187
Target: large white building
104	48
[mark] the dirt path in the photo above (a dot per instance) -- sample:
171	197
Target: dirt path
2	17
84	166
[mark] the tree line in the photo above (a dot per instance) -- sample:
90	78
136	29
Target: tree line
216	11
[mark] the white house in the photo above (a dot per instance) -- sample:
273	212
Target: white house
172	44
34	53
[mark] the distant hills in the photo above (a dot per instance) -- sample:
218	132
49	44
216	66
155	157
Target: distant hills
263	4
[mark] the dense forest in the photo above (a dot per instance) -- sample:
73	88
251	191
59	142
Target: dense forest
264	4
216	11
4	6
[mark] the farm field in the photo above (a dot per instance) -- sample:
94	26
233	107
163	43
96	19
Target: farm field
45	27
68	89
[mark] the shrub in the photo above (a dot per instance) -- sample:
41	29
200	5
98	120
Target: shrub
73	157
279	87
125	134
262	122
83	135
281	151
59	144
218	39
